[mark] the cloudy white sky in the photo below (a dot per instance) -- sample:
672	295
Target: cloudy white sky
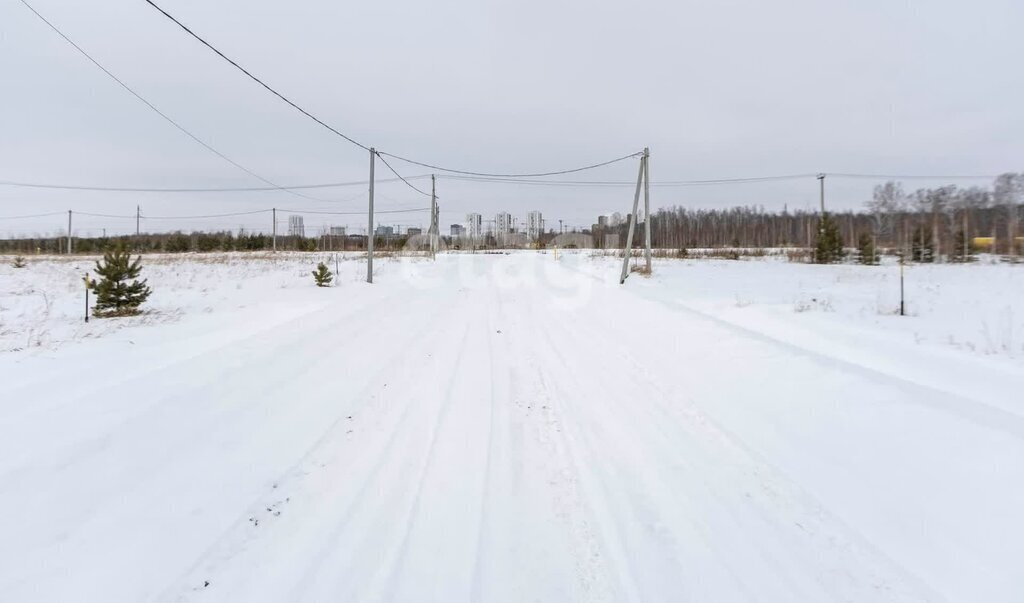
731	88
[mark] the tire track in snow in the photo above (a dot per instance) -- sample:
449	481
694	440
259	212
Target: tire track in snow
610	527
240	535
208	363
476	588
560	468
781	492
381	458
972	410
439	418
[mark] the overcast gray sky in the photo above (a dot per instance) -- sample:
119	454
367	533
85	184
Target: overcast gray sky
731	88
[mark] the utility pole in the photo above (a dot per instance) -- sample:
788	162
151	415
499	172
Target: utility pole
821	222
69	232
433	216
560	231
273	229
647	207
369	232
138	220
821	179
632	224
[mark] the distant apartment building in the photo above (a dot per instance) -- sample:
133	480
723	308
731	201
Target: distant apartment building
534	225
602	221
503	223
337	231
296	226
413	231
474	226
457	230
384	231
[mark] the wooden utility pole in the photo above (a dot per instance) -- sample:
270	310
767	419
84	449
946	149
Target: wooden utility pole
369	231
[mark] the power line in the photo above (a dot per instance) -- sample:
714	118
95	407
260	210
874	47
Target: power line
534	175
55	213
711	182
349	138
407	183
487	179
223	215
82	213
254	78
910	177
242	213
352	213
125	189
617	183
155	109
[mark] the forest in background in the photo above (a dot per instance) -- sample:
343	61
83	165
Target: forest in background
946	220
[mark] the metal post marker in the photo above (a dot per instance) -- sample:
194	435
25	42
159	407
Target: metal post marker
85	279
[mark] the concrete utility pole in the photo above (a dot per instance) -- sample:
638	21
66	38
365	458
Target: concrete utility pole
632	223
369	232
69	232
433	216
647	207
273	229
821	179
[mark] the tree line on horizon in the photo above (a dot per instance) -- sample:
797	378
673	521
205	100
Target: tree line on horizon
943	218
925	223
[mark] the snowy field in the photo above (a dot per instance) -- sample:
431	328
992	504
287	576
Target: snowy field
496	427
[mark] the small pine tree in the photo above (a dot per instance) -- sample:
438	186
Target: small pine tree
829	248
921	247
322	275
19	262
866	250
115	296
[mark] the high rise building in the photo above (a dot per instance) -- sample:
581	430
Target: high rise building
502	223
534	225
474	226
296	227
337	231
457	230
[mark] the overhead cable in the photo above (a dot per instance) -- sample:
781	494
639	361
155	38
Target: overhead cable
365	147
155	109
130	189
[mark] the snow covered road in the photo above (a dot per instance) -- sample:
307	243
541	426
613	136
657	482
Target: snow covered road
504	428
